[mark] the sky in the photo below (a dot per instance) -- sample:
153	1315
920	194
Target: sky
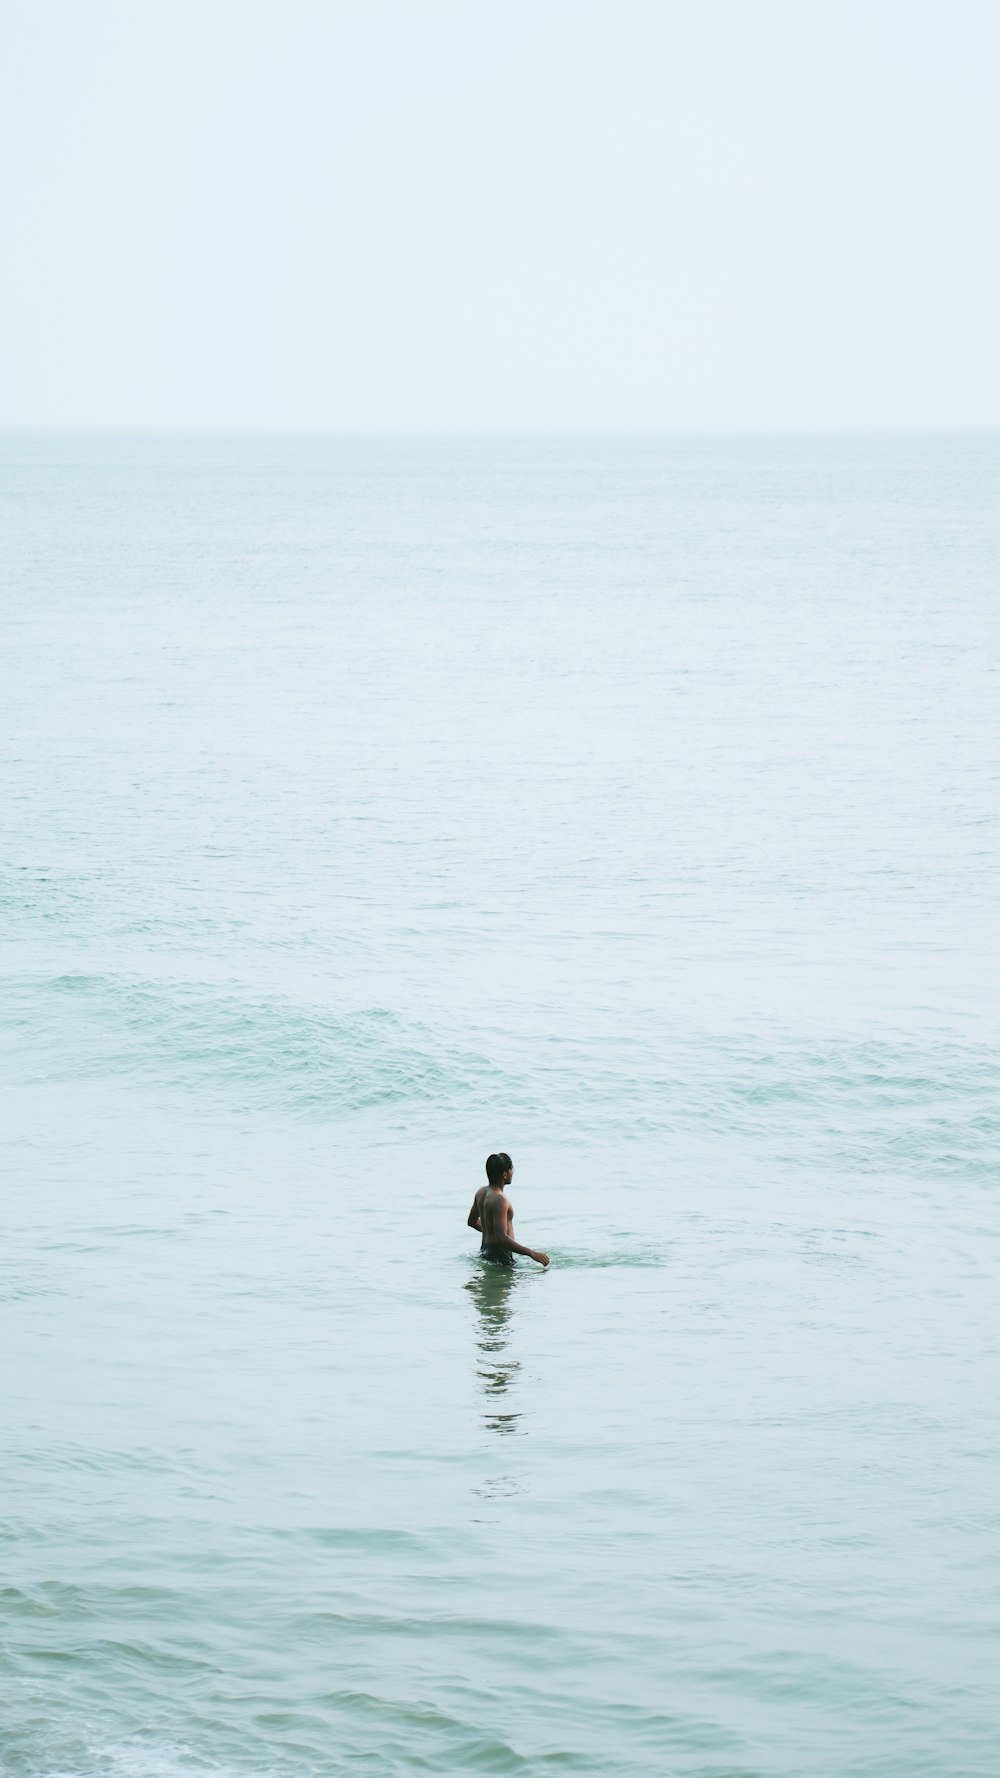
613	213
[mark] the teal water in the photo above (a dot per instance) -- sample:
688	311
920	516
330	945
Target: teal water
629	804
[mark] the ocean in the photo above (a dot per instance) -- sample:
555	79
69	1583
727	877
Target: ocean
628	803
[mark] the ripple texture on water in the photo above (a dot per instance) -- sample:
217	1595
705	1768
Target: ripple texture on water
370	804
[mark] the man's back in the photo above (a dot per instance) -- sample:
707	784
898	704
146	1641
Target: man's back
497	1215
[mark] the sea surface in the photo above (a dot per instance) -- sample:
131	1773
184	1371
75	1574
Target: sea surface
368	803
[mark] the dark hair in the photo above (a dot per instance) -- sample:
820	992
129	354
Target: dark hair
496	1166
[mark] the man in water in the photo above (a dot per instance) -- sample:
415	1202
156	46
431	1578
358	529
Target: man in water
493	1214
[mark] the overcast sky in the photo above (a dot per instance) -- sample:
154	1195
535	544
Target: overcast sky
513	212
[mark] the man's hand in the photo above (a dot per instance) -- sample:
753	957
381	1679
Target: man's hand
542	1258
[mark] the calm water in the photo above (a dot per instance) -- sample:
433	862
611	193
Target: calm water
630	804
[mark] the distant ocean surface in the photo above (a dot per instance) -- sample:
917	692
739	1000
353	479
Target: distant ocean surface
629	803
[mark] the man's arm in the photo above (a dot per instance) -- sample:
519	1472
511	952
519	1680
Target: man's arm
475	1219
513	1246
504	1238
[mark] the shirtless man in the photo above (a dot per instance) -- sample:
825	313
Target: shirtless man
493	1214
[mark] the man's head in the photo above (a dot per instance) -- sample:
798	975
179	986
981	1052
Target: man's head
499	1168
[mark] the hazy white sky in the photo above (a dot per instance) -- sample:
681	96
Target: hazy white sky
612	212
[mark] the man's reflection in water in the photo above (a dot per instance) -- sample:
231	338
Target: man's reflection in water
492	1290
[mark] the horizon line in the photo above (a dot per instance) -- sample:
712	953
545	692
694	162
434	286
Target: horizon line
658	429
